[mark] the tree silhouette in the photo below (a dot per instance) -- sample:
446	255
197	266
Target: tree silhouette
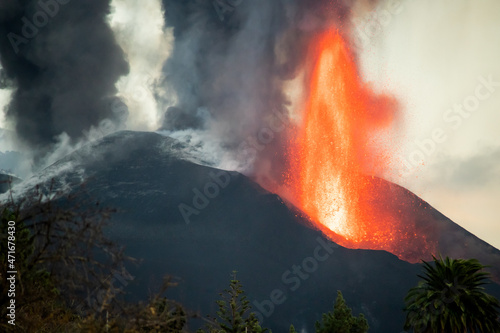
234	314
341	319
69	274
451	299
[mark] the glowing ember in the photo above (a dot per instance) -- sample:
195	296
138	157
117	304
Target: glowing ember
333	151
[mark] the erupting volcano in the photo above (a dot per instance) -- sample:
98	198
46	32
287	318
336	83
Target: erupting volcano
335	148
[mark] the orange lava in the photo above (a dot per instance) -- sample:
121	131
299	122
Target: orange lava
333	151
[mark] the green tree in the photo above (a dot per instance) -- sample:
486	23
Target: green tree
234	314
292	329
61	253
451	299
37	300
159	315
341	319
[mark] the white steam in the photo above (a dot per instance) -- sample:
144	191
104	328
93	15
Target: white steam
4	101
139	27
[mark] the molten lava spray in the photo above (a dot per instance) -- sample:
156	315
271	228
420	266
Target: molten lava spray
334	149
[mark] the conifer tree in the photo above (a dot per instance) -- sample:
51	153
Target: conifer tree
234	315
341	319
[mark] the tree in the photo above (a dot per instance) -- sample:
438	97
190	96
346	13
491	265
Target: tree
69	274
234	314
341	319
451	299
158	315
37	300
292	329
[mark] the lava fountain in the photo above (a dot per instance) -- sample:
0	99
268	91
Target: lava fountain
335	148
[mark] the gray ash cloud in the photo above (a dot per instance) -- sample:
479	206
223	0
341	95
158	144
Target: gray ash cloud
233	58
62	60
230	59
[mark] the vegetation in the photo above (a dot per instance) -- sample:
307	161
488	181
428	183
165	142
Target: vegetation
451	299
341	320
37	301
234	314
158	315
69	275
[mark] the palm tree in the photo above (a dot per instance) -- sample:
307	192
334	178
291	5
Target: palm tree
451	299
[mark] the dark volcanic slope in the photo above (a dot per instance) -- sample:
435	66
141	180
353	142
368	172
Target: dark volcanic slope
241	227
448	238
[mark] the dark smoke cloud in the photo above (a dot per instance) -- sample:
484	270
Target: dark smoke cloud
63	60
233	58
177	120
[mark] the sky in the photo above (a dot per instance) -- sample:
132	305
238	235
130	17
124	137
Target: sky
435	57
439	58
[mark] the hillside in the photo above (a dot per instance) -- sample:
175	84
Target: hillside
199	224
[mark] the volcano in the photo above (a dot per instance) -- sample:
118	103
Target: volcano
199	223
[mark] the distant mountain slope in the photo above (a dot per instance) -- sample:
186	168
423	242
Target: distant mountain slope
10	161
7	181
199	224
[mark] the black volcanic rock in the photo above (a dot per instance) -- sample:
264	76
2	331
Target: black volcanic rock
199	224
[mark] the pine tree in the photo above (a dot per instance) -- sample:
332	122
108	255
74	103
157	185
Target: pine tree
234	314
292	329
341	319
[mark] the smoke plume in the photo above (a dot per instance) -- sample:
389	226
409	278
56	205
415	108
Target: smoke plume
224	87
234	59
63	61
139	27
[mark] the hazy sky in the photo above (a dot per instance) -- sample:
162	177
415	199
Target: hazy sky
435	56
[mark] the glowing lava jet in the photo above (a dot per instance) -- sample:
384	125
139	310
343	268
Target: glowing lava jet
334	149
